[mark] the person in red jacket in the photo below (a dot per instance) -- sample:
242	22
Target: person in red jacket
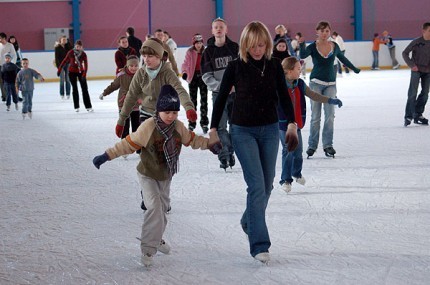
78	68
124	51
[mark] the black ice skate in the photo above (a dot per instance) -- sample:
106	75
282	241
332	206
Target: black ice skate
223	163
421	121
407	122
310	152
329	151
232	161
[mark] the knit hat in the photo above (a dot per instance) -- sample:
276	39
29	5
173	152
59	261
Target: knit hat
168	100
197	38
280	40
7	55
155	45
132	59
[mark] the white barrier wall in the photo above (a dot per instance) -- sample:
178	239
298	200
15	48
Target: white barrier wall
102	64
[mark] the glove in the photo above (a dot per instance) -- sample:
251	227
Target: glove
58	73
291	138
119	130
191	115
215	146
335	101
100	159
101	96
184	76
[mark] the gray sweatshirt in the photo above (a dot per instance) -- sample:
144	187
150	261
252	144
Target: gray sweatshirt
420	49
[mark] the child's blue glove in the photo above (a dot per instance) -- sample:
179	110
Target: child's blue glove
100	159
335	101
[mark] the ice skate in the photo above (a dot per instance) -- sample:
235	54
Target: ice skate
301	180
164	247
232	161
77	110
286	186
310	152
263	257
223	164
30	115
23	116
16	106
90	110
329	151
147	259
205	129
420	121
407	122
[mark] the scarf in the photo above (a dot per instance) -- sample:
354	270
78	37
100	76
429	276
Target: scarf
125	51
78	54
169	146
152	73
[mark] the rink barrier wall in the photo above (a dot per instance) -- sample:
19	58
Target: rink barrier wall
102	65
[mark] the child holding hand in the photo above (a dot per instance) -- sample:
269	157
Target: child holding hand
160	139
292	161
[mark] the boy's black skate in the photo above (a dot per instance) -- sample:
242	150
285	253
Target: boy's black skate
232	161
310	152
329	151
223	163
407	121
421	121
205	129
142	206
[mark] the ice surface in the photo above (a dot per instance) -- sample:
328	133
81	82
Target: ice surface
362	218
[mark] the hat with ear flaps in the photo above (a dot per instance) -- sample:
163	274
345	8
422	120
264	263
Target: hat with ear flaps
168	100
155	45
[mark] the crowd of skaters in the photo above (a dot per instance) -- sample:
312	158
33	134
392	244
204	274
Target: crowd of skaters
242	77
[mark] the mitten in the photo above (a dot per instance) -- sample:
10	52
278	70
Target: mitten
215	146
335	101
184	76
291	138
100	159
101	96
191	115
119	130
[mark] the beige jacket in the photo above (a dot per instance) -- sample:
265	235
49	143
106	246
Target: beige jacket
152	159
147	90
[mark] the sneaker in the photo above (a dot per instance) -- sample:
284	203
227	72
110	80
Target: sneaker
407	122
164	247
263	257
232	160
147	259
301	180
286	186
420	120
77	110
16	106
30	115
90	110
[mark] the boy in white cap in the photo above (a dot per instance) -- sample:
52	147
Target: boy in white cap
160	139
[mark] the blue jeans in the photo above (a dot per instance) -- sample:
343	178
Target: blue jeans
10	93
27	102
375	63
328	128
257	150
292	162
415	105
223	132
65	80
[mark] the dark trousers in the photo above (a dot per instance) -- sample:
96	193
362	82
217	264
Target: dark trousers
74	77
196	84
135	123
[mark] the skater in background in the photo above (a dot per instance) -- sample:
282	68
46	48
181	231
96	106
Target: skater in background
281	32
146	84
14	42
219	51
25	83
391	48
160	138
419	63
170	42
5	48
78	68
61	49
323	80
280	49
124	50
292	161
339	40
134	41
296	47
122	82
377	41
159	34
192	73
9	70
260	86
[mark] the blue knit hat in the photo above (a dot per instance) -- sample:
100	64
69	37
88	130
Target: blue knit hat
168	100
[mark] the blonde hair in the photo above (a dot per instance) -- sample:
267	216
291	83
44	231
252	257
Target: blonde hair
254	33
289	63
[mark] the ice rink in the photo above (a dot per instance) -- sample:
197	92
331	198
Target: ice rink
361	218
